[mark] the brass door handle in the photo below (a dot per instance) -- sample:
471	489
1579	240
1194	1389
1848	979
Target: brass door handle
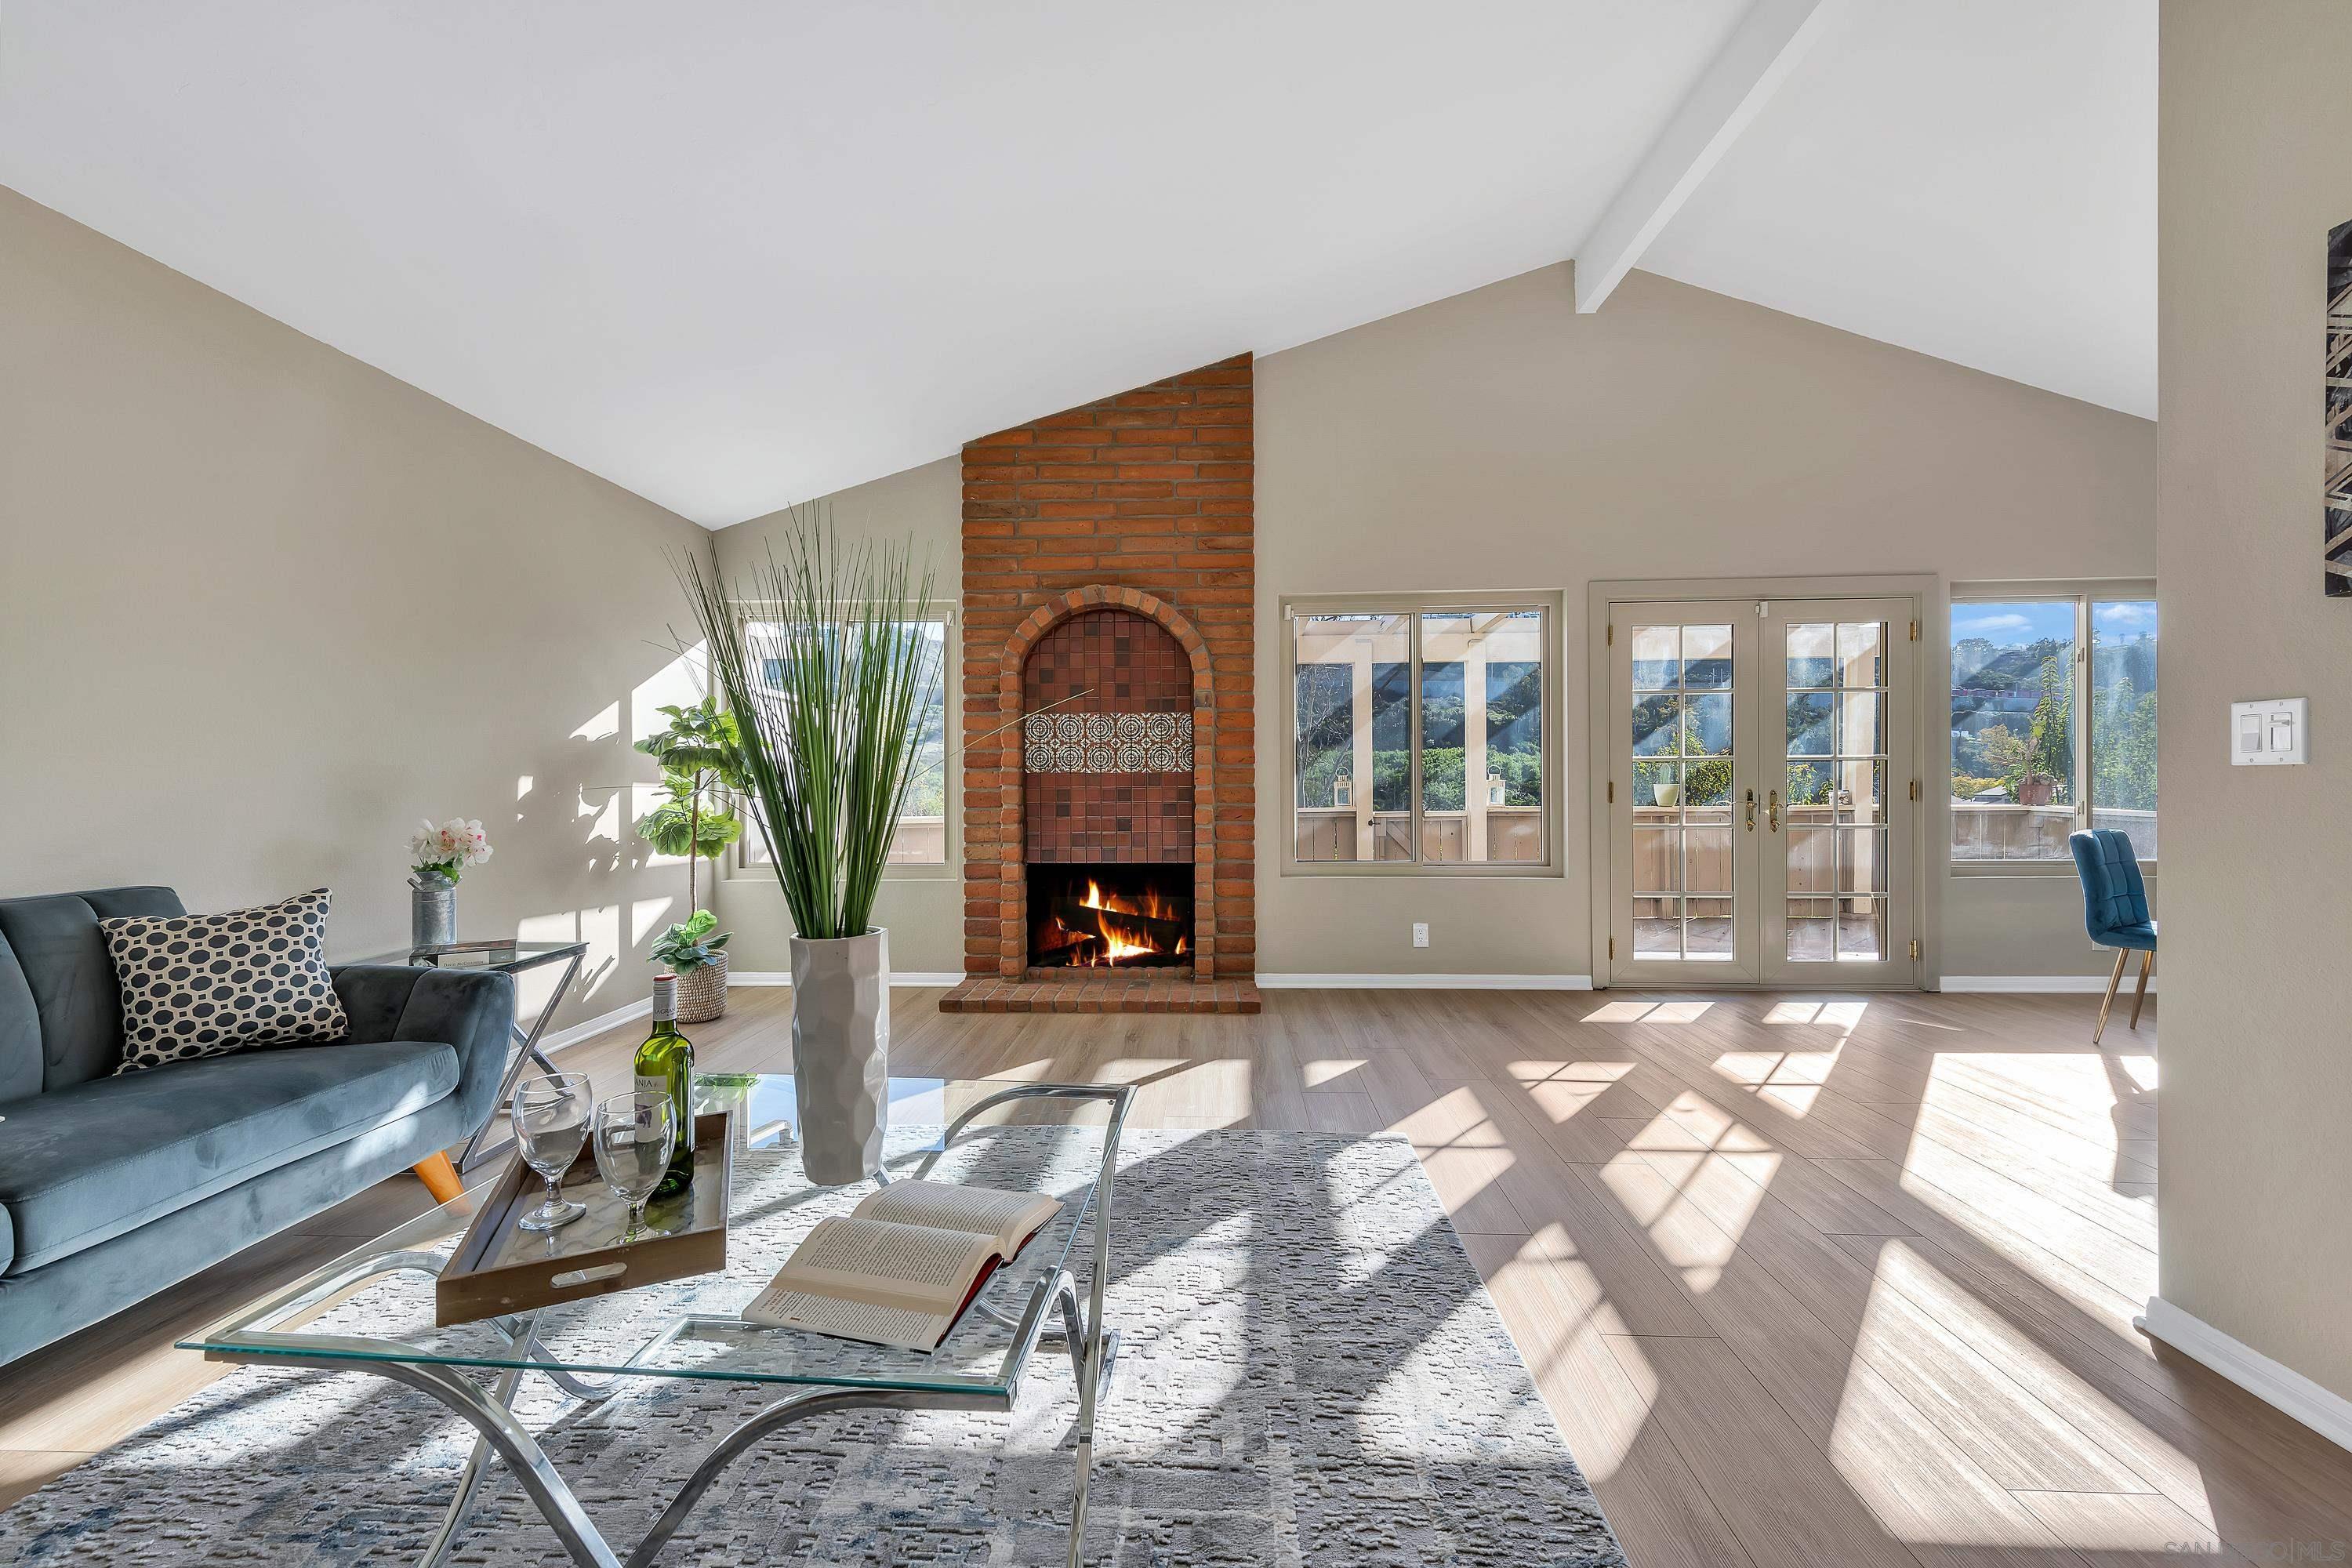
1772	811
1751	811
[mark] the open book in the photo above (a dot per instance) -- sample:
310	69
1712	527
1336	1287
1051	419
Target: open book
903	1266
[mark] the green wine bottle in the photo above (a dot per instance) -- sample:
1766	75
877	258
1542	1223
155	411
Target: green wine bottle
665	1065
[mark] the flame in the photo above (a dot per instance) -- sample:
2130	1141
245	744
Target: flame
1123	943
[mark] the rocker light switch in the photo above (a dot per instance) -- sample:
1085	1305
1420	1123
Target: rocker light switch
2270	733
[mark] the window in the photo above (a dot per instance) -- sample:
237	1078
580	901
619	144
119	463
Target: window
922	838
2054	723
1419	735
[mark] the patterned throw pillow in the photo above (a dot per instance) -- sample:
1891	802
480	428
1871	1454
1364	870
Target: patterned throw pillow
204	985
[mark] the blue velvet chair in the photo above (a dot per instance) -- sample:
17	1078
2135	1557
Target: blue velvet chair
2115	908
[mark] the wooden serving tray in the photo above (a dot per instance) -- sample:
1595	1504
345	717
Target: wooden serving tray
500	1267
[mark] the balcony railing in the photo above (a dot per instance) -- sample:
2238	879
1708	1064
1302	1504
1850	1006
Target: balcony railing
1328	833
1999	831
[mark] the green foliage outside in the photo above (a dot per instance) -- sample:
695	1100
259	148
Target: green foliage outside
1326	735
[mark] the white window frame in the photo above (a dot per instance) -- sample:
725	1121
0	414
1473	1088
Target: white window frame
2083	592
1414	606
949	867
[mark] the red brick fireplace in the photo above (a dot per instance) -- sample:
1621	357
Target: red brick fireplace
1109	754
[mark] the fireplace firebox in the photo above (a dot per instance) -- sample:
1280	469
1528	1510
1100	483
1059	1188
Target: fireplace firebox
1110	916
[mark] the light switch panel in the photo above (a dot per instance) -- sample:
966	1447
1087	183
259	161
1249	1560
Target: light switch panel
2270	733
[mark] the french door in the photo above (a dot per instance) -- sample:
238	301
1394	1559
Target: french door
1759	831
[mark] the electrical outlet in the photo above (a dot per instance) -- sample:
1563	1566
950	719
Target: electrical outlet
1421	933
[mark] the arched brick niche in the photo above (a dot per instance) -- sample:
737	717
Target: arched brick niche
1136	511
1099	653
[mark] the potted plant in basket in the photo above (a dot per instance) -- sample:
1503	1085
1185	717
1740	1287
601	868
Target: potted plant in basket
827	679
700	776
699	960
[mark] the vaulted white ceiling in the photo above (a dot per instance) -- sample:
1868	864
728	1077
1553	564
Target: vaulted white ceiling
734	254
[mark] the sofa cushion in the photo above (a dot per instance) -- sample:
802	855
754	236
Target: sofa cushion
20	1030
86	1163
204	985
56	940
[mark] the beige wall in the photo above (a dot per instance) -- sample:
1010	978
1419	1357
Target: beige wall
922	908
2257	1172
262	606
1499	440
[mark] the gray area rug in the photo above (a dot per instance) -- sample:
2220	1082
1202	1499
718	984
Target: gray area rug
1312	1374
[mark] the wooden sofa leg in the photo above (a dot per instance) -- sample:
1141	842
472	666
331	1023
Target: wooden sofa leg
440	1178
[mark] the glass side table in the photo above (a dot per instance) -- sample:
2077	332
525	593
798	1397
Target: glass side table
506	958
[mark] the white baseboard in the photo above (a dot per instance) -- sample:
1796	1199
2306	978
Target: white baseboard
2053	984
1424	981
2280	1386
642	1008
755	977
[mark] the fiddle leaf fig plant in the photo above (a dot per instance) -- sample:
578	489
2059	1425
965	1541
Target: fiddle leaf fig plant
702	762
689	945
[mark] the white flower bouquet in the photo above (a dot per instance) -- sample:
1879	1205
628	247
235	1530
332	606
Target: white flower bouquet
440	854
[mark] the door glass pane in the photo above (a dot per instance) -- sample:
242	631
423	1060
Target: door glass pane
1481	744
1354	738
2012	729
2122	720
1657	928
1835	898
1680	804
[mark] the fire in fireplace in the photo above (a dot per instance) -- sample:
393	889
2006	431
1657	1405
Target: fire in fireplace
1110	916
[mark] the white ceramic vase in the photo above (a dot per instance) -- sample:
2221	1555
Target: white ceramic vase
841	1054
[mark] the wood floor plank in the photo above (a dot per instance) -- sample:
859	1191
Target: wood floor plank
25	1471
1663	1515
2126	1531
1780	1494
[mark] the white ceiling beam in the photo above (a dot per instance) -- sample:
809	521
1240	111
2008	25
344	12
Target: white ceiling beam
1763	50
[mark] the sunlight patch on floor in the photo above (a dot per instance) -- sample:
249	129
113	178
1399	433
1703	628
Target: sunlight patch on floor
1728	1188
1570	1072
1319	1071
1714	1126
1753	1068
1685	1238
2140	1070
1648	1013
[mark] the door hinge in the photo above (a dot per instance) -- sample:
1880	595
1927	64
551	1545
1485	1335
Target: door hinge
1915	950
1613	947
1914	631
1915	789
1613	792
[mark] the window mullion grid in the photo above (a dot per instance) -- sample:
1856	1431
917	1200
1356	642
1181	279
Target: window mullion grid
1412	731
2082	712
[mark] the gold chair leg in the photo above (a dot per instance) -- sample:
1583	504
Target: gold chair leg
2123	956
2139	997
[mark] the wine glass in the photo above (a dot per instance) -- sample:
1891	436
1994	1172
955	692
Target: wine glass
635	1135
551	1112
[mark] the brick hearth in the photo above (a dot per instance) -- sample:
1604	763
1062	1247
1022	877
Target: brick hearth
1109	550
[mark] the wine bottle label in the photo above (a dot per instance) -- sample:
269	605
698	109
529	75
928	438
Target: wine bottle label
651	1084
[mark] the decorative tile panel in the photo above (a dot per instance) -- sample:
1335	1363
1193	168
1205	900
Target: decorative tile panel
1108	743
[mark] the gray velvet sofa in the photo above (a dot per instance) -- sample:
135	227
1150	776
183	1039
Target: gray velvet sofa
112	1188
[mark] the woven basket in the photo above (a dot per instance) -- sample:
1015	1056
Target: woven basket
702	991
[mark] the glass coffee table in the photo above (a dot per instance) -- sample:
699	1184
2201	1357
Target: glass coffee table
371	1310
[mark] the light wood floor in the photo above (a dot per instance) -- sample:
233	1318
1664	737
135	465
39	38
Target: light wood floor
1805	1280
